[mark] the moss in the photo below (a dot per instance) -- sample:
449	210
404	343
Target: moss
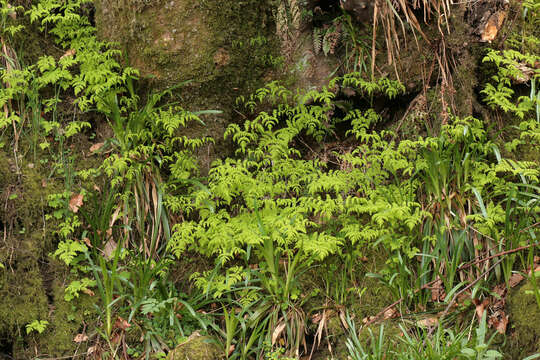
524	314
225	49
26	282
197	347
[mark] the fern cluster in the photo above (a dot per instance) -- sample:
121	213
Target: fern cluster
379	193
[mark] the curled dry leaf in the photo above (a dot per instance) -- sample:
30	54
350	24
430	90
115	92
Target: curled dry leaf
343	319
515	279
96	147
79	338
277	332
480	307
70	52
87	242
76	202
390	313
493	25
109	248
121	323
88	292
428	322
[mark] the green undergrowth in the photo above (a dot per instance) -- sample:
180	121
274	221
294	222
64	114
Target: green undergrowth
319	219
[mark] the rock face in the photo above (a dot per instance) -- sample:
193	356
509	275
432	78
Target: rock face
524	313
220	45
196	347
224	49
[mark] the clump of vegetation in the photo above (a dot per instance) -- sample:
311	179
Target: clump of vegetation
455	216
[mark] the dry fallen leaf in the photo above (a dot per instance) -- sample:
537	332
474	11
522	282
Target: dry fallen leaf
515	279
437	291
231	349
480	307
390	313
315	318
343	319
501	325
367	319
70	52
428	322
491	28
88	292
76	202
277	332
79	338
109	248
87	242
96	147
121	323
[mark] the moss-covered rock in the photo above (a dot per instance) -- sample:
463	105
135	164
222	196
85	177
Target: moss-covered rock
225	49
196	347
524	314
31	285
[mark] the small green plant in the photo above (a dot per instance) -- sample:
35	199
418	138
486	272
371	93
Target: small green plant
480	349
73	290
38	326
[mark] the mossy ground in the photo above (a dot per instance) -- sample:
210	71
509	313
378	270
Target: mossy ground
524	312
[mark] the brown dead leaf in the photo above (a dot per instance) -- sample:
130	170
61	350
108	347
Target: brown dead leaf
367	319
70	52
109	248
343	319
316	318
390	313
43	183
91	349
320	329
491	28
277	331
500	325
515	279
76	202
88	292
87	242
96	147
437	291
121	323
116	338
480	307
428	322
79	338
500	290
